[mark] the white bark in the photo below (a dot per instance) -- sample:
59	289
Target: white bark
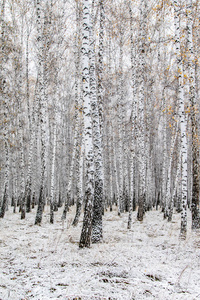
141	107
42	109
134	117
85	238
97	230
116	172
182	119
164	167
4	100
52	180
120	125
169	204
193	103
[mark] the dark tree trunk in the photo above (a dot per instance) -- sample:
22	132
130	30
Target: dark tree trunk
141	208
51	212
4	203
78	211
55	207
28	202
38	218
60	200
195	187
86	232
66	207
33	200
97	232
134	203
23	209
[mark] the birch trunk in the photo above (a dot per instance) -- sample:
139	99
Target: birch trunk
193	103
116	175
52	190
28	187
79	176
182	119
168	204
100	65
41	117
19	99
164	167
141	106
6	110
134	116
120	125
85	238
78	148
97	230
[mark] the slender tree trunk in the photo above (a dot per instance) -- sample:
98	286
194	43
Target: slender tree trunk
79	116
182	118
79	184
97	230
52	191
117	196
77	159
177	184
195	140
168	204
30	154
110	165
164	167
141	114
86	232
134	117
6	110
41	100
120	126
19	98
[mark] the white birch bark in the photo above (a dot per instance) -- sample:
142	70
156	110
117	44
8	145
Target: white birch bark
120	125
78	148
19	99
109	126
110	164
85	238
164	167
141	106
177	185
28	186
97	230
169	204
134	117
193	103
5	115
116	171
72	166
52	180
182	119
42	106
79	176
100	64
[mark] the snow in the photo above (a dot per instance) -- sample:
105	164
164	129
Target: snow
147	262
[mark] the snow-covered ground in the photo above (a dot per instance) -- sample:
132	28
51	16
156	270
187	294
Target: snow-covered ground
147	262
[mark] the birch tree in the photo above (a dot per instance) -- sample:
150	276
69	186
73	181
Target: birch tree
97	233
141	105
41	100
4	99
85	238
182	118
193	103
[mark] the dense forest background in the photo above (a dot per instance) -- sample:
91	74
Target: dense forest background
100	107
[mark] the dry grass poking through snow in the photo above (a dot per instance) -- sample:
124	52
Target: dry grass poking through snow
147	262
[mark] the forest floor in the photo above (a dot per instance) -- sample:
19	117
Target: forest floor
147	262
